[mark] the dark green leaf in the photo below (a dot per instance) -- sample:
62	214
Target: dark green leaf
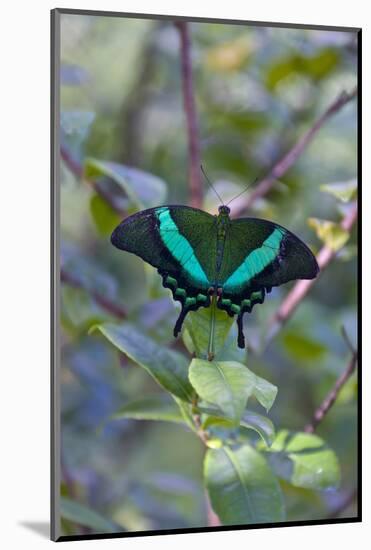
242	488
79	310
78	513
303	347
167	367
317	66
105	218
261	424
304	460
250	420
143	189
154	407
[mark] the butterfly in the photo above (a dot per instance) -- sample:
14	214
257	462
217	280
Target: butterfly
209	259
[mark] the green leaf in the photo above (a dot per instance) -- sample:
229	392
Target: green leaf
304	460
79	309
105	218
154	407
167	367
331	233
302	347
78	513
250	420
197	329
345	191
265	392
143	189
186	412
228	385
316	66
261	424
242	488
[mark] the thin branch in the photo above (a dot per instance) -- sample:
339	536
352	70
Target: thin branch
72	163
283	165
197	421
331	397
111	307
212	518
301	288
77	169
195	183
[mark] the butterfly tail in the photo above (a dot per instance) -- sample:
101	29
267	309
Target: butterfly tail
241	336
180	320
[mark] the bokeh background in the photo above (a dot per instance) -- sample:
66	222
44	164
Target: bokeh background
257	90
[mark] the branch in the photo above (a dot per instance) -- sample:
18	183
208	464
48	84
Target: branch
282	166
301	288
195	184
77	169
111	307
212	518
72	163
331	397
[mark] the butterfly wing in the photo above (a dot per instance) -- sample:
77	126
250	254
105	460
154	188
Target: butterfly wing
181	243
258	255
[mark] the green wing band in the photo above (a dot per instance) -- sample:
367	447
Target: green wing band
180	248
255	262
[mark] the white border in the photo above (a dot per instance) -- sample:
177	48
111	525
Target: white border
25	178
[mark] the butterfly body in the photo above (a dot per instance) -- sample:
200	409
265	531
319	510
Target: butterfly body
205	259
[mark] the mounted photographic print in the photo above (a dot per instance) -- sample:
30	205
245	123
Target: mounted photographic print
205	287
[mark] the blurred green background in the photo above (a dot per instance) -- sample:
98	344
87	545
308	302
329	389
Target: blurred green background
257	89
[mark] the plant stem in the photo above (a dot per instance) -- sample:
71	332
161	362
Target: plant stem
211	347
195	184
325	256
78	171
282	166
331	397
111	307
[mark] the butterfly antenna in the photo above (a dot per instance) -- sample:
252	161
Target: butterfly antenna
211	185
243	191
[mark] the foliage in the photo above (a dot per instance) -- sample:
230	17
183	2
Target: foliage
138	450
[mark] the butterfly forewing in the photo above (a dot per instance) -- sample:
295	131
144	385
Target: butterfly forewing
260	253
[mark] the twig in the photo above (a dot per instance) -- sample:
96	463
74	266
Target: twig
197	420
195	184
331	397
281	167
72	163
77	169
301	288
212	518
112	307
